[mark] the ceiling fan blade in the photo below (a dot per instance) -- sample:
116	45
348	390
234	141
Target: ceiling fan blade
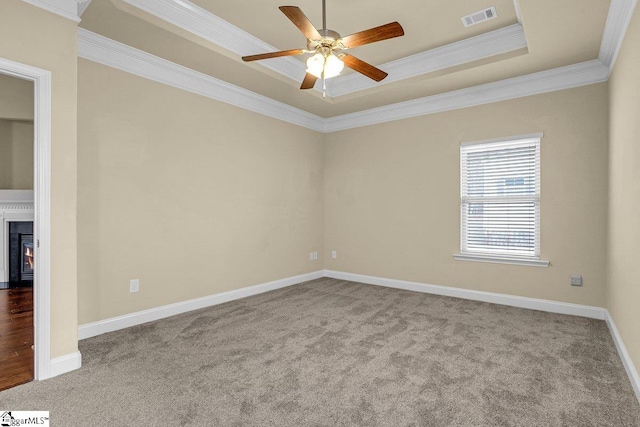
363	67
273	55
297	16
372	35
309	81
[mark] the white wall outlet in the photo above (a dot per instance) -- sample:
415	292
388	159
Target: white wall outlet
311	256
576	280
134	285
334	254
315	256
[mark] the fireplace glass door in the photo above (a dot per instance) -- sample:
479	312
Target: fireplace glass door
26	249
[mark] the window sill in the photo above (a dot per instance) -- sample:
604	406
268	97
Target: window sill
502	260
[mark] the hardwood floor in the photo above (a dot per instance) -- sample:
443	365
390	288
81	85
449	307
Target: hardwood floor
16	337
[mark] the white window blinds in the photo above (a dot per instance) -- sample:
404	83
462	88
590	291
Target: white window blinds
500	198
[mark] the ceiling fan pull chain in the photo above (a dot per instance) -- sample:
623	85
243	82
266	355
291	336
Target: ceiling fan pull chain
324	70
324	86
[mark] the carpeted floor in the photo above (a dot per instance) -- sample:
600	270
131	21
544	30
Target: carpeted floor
330	352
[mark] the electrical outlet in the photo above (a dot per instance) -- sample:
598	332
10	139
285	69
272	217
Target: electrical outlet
311	256
134	285
315	256
576	280
334	254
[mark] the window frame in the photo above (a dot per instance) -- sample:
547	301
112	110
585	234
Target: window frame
497	257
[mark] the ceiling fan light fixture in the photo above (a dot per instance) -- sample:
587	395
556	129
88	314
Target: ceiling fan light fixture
324	43
332	65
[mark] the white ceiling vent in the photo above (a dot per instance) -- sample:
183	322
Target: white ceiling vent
478	17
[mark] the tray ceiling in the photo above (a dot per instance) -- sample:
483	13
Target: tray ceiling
554	33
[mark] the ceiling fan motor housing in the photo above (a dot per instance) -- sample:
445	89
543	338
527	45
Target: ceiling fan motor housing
329	34
329	40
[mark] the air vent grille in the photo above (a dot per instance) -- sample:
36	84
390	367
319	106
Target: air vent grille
478	17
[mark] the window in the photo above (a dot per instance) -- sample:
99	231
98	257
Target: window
500	201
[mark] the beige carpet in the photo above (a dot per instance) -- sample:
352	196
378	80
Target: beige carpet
330	352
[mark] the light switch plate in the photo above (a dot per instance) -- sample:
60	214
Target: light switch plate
576	280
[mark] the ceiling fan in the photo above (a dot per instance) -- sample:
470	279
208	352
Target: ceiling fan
328	46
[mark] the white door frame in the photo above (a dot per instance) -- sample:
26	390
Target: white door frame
42	209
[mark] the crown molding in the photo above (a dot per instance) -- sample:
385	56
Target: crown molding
620	14
108	52
204	24
516	6
82	6
486	45
65	8
572	76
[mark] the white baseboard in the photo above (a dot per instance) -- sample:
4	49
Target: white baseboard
125	321
502	299
624	355
63	364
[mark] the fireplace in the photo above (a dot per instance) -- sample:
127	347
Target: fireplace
21	254
17	242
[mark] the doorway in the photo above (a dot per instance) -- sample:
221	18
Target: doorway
17	258
27	304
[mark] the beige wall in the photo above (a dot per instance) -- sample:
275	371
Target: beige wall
16	98
189	195
624	189
6	151
16	155
165	174
16	133
22	155
33	36
392	196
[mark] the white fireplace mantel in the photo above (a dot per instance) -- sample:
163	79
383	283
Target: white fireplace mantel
15	205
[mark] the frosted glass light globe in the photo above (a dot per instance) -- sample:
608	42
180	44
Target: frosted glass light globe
315	64
333	66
